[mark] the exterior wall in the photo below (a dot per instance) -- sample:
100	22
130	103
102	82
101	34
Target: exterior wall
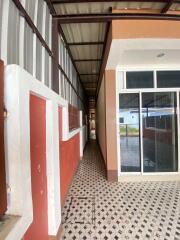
101	120
27	50
39	226
111	133
21	45
17	149
69	159
125	29
131	29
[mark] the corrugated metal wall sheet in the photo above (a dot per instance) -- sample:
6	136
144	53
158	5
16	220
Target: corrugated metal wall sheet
28	48
13	35
47	69
66	89
47	26
30	7
14	28
38	60
40	16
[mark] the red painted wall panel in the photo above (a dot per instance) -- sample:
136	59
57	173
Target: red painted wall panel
69	158
39	227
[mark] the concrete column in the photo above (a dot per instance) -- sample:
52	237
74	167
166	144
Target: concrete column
111	137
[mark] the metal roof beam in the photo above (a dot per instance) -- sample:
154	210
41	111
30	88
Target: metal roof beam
85	43
87	60
103	57
167	6
89	74
51	7
107	17
89	82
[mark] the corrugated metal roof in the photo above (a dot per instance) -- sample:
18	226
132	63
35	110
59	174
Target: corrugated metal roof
89	78
175	7
88	67
103	7
84	32
95	32
86	51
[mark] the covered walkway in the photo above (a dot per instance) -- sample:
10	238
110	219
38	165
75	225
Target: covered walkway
98	209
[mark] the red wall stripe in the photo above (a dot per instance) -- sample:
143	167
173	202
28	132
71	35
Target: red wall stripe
39	227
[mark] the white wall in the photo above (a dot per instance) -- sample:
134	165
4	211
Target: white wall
18	86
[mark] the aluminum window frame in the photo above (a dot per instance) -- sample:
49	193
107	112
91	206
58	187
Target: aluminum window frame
122	72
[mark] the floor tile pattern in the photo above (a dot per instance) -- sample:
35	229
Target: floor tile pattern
97	209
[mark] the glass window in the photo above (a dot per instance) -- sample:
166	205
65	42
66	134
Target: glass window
139	79
167	79
121	120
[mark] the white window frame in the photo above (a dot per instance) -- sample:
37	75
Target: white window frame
119	90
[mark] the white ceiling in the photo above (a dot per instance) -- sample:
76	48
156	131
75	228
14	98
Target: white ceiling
143	52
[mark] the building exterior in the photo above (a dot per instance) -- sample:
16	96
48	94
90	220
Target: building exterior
141	70
71	71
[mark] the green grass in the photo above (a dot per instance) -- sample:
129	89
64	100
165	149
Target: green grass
130	131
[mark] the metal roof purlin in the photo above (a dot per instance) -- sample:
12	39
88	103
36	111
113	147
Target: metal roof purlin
103	56
108	17
103	1
85	43
87	60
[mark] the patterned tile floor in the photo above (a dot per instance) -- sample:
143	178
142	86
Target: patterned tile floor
97	209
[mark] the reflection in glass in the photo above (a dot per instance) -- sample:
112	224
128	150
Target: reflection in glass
167	79
129	132
159	132
139	79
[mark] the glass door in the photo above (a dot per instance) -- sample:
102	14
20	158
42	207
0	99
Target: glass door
129	128
155	144
159	132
